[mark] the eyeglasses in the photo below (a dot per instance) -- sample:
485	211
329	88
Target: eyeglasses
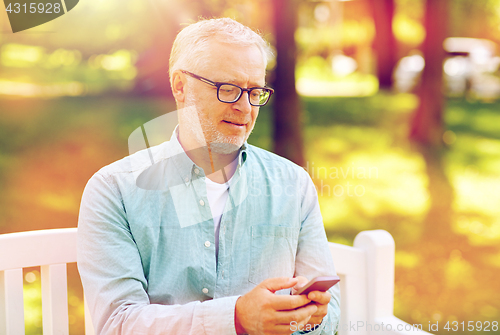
230	93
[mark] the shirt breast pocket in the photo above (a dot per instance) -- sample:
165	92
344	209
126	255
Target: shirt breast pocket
273	250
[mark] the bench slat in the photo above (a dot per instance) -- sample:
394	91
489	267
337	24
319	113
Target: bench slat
11	302
89	328
350	264
55	299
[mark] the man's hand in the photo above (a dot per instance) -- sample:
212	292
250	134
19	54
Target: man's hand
260	311
318	298
321	300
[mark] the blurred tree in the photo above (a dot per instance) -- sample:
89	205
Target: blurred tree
152	64
152	68
426	132
384	41
427	123
440	245
483	16
287	111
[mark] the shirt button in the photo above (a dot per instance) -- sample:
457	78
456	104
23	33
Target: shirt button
205	290
207	244
202	202
186	179
196	171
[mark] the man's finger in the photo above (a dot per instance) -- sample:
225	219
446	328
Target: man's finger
279	283
320	297
289	302
298	315
301	282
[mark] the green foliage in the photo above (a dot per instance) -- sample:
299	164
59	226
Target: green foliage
481	18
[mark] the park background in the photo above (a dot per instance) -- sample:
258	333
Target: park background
390	143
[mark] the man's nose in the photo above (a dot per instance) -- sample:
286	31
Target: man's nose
243	103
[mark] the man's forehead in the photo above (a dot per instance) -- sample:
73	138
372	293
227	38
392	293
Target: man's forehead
231	63
234	79
238	79
229	51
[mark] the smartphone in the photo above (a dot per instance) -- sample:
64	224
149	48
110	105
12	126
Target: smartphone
319	284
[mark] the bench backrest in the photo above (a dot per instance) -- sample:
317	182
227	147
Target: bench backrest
366	271
51	250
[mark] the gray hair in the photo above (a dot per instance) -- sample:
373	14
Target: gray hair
192	42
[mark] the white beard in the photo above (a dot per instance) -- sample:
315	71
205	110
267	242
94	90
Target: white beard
206	133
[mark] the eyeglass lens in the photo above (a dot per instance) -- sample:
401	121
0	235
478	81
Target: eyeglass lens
230	93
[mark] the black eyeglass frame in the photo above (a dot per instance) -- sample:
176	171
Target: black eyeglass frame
219	84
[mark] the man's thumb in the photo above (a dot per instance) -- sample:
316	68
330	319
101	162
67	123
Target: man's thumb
279	283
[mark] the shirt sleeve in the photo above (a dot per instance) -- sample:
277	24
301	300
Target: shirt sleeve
313	254
114	282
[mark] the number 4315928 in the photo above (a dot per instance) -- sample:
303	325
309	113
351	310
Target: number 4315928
33	8
471	326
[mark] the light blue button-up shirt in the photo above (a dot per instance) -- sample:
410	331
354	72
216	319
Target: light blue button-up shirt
146	244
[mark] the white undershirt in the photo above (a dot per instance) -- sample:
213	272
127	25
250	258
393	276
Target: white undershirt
217	195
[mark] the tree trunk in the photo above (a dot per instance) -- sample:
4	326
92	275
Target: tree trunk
437	239
152	65
287	111
427	124
384	42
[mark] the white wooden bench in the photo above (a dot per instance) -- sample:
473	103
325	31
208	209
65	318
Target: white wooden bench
366	271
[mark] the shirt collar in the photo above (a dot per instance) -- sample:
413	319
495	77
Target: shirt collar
186	167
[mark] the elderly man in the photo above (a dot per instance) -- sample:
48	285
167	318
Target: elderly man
231	230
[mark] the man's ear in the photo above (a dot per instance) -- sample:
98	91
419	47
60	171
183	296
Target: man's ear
178	83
